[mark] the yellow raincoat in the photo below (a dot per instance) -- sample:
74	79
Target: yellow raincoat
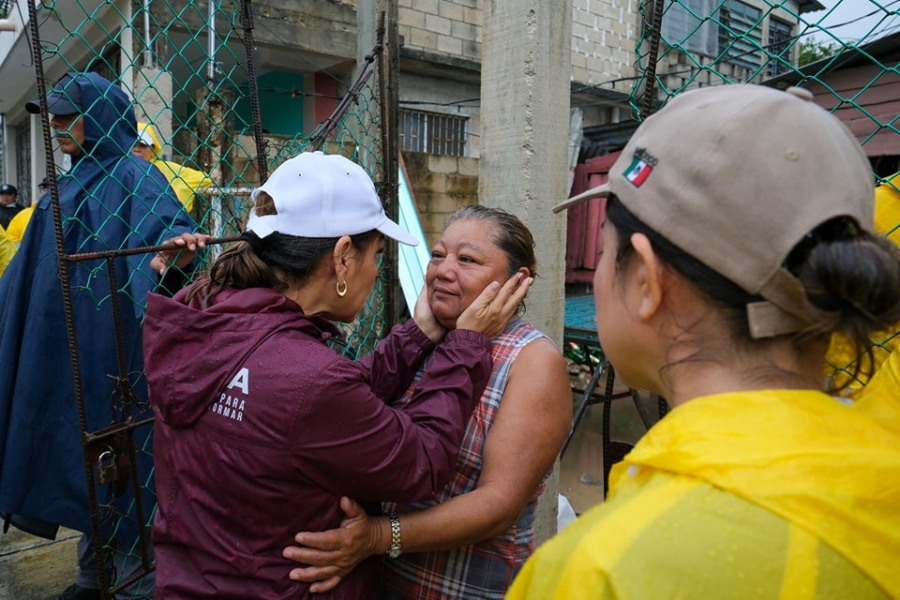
880	399
184	180
16	229
7	250
841	356
768	494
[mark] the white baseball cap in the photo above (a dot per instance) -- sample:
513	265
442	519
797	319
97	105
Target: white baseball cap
323	196
145	138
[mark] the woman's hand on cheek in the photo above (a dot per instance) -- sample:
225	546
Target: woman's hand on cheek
424	318
495	306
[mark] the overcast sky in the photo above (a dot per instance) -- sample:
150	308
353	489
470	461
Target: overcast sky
849	21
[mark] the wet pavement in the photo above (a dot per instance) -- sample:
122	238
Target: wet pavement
33	568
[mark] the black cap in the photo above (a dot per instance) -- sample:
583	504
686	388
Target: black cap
8	189
63	99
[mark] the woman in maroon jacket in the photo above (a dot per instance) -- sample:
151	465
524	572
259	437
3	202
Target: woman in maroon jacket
261	427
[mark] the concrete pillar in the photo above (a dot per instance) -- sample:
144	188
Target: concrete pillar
35	166
153	92
525	78
151	85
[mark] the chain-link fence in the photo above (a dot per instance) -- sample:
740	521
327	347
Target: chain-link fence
184	75
686	44
212	127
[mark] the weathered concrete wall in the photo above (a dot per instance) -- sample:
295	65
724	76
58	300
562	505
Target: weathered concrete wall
602	39
450	27
318	26
440	185
152	88
604	33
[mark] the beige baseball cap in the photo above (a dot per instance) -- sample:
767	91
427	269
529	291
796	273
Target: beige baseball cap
736	176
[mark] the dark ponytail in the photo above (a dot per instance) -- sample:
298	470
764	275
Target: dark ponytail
853	285
278	261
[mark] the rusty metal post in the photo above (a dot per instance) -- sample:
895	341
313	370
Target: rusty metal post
377	28
249	48
655	26
100	556
213	156
389	84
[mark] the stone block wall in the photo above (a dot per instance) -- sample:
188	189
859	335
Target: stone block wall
449	27
604	34
440	185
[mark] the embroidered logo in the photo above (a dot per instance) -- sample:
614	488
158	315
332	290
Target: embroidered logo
640	168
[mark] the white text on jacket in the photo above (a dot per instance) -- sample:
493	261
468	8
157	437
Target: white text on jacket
232	407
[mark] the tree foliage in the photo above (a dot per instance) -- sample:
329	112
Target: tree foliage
812	50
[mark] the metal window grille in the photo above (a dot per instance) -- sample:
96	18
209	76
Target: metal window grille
779	46
740	33
433	133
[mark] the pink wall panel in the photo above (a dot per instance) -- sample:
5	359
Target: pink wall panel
584	225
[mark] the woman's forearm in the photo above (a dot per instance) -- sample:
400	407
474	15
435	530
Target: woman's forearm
459	521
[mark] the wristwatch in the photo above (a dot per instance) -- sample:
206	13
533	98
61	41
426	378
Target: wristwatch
395	549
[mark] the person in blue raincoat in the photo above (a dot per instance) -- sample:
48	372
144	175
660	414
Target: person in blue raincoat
109	200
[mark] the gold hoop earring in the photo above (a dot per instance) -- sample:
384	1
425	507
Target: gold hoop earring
341	292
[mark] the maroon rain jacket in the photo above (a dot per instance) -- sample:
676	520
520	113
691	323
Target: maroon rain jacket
261	428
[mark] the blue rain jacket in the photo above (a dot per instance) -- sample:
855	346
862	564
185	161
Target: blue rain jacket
110	199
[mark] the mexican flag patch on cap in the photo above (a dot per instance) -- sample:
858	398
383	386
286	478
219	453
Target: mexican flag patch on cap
638	171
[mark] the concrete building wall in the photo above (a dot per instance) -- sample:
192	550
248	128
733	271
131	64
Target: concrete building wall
440	185
317	27
681	70
604	33
450	27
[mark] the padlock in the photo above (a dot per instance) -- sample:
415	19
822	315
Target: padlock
107	470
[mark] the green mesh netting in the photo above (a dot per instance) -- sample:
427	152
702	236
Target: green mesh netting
784	43
214	128
210	113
